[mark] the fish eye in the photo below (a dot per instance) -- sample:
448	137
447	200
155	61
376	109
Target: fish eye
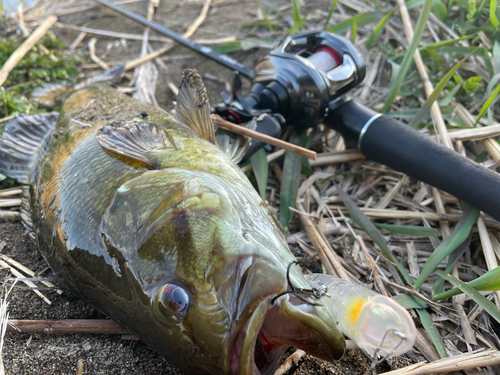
174	300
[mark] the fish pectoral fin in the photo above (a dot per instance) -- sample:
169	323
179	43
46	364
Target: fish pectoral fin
24	143
193	108
234	145
144	142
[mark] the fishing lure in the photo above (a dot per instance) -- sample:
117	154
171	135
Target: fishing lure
377	324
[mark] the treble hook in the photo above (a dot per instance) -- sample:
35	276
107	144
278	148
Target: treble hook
317	293
396	333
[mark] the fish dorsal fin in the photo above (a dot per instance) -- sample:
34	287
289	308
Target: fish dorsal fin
234	145
144	142
193	108
51	93
24	143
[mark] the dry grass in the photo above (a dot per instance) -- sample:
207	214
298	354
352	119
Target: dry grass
323	235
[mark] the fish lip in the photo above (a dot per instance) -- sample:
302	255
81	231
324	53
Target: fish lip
243	345
242	357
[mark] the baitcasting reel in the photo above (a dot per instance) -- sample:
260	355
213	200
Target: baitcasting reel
299	80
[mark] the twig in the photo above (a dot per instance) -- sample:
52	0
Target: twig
112	34
370	77
7	118
475	133
28	283
336	157
9	215
106	326
457	363
221	123
93	56
435	110
27	271
141	60
376	275
20	18
199	20
325	251
10	192
16	202
489	253
25	47
4	317
79	38
146	75
290	362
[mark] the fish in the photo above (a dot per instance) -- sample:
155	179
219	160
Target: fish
147	216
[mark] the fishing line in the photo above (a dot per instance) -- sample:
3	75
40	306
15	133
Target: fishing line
317	293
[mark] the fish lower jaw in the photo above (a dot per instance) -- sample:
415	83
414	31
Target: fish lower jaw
252	353
261	342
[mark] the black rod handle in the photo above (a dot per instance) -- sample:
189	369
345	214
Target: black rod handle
388	141
207	51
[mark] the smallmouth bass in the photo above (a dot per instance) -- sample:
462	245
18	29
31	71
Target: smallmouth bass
144	217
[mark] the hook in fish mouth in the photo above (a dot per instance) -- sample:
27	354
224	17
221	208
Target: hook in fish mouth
317	293
267	325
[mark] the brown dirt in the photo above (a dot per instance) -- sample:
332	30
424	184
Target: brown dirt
108	354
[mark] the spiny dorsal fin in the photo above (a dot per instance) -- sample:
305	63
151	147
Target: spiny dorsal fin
234	145
24	143
143	142
193	108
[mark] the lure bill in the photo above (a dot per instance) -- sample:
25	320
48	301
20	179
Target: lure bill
377	324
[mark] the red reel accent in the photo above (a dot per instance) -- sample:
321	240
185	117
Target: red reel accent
238	118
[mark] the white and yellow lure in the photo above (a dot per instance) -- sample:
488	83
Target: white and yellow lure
377	324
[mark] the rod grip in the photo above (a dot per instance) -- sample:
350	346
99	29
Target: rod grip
388	141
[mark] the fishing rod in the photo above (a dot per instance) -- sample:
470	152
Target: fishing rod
305	80
207	51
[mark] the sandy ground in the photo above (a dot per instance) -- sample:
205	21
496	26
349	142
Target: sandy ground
108	354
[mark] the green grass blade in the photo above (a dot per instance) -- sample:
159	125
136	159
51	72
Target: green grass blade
414	230
360	20
496	56
450	243
490	281
378	29
493	13
330	13
260	170
472	293
266	18
448	98
437	91
408	58
433	332
362	220
290	180
298	25
446	42
297	16
409	302
438	286
494	80
354	32
487	104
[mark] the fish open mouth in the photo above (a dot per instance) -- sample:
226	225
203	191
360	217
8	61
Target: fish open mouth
270	329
